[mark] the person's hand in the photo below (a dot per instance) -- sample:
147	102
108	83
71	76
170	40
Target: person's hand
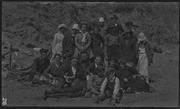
101	95
50	76
125	80
129	64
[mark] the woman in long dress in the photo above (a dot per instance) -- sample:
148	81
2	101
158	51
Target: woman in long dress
146	51
58	41
82	42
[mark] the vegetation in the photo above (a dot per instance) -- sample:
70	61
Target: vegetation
38	21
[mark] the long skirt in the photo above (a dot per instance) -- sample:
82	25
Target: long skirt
143	64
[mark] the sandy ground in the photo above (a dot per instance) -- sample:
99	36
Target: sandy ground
164	72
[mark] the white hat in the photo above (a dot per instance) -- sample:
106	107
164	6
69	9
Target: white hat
101	19
75	26
141	37
61	26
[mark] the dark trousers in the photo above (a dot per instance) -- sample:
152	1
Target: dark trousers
78	88
113	51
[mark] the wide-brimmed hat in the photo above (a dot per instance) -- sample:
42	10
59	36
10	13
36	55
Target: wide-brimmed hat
61	26
101	19
130	23
43	50
114	17
75	26
142	37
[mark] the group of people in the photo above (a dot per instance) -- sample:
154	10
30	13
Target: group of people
105	61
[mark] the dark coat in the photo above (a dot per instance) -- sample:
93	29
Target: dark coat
114	30
128	73
95	44
128	49
54	70
68	69
39	65
68	44
150	50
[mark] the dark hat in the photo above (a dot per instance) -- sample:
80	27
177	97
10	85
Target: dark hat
130	23
42	50
114	17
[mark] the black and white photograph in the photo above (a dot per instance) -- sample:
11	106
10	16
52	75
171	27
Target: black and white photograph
90	54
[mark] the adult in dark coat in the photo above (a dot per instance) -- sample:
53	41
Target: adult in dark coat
40	64
97	43
68	46
128	45
113	38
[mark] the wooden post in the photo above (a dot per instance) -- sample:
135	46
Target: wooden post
10	57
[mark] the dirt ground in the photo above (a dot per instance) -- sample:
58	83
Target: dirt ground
164	72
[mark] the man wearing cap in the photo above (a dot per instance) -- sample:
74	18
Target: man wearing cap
114	31
57	44
146	51
40	64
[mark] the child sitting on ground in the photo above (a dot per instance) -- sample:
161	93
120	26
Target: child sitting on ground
110	88
96	76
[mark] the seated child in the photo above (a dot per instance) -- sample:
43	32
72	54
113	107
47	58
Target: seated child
110	88
52	75
125	73
96	76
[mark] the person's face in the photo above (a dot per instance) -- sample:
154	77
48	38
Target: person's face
98	60
112	63
74	31
74	62
57	59
84	28
111	76
96	31
62	30
101	24
43	55
122	66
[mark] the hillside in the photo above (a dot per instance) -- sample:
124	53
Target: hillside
38	21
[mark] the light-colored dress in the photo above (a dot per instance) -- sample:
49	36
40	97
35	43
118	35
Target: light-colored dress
143	62
82	40
57	44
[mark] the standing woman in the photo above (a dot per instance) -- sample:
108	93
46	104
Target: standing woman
58	40
146	51
82	42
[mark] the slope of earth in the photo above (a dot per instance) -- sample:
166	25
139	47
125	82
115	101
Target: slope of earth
164	73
